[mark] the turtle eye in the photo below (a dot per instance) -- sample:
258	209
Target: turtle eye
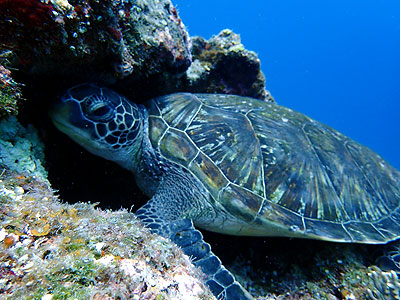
101	110
98	110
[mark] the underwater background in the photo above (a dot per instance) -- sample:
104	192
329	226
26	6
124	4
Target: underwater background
63	233
336	61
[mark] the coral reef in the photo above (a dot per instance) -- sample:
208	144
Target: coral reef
95	40
50	250
20	148
223	65
139	47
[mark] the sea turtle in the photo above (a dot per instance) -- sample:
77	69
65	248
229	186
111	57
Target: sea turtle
236	165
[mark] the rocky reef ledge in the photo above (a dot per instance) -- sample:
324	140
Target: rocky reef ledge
53	250
140	48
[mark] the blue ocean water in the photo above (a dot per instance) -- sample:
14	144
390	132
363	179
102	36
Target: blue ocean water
337	61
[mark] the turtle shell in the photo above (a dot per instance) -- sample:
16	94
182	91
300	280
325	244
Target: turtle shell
272	167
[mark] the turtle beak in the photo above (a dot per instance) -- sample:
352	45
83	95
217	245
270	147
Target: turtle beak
59	113
67	117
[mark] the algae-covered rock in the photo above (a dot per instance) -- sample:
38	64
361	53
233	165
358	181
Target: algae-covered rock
95	40
10	91
306	269
51	250
223	65
20	148
139	47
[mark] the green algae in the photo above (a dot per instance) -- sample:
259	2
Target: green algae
8	100
10	91
10	94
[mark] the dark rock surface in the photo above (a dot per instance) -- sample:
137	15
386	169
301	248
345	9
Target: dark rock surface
138	47
223	65
95	40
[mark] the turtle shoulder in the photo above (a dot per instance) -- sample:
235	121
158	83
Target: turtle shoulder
218	146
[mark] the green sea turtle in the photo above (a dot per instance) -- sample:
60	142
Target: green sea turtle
238	166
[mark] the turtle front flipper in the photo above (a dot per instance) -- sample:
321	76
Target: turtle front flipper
390	260
182	232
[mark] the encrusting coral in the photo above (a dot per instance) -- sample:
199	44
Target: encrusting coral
51	250
20	148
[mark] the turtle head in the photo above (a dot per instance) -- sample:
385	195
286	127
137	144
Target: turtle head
103	122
